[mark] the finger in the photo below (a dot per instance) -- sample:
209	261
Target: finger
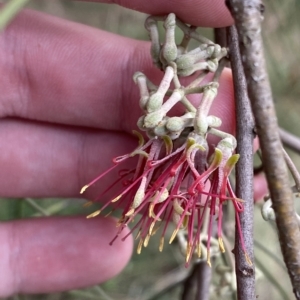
260	186
211	13
41	160
58	254
63	72
58	161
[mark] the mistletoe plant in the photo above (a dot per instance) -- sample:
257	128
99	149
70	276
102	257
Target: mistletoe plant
176	179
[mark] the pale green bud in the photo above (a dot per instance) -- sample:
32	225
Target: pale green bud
175	124
212	65
213	121
155	102
160	129
151	26
153	119
169	48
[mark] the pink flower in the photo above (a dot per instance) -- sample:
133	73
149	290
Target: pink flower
170	184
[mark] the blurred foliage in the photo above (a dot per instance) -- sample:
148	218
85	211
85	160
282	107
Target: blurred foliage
143	275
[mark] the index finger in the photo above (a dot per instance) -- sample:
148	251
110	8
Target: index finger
206	13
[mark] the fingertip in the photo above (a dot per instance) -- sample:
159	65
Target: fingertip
60	254
213	13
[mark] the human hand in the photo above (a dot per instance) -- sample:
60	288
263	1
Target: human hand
68	104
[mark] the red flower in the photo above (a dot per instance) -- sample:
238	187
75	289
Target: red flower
170	184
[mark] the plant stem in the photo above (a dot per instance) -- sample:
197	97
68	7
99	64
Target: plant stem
220	36
10	10
167	282
292	168
245	274
270	254
204	274
272	279
247	16
290	140
189	284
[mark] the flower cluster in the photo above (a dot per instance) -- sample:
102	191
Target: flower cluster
177	180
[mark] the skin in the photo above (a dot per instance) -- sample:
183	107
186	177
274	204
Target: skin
67	106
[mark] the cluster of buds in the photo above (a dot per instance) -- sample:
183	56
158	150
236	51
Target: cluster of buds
177	180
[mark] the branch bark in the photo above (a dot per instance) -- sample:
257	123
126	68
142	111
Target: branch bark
245	274
248	16
204	280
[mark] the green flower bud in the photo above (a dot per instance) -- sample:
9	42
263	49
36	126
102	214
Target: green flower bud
155	102
169	48
175	124
152	120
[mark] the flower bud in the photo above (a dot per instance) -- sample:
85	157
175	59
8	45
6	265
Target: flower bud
152	120
151	26
155	102
169	48
175	124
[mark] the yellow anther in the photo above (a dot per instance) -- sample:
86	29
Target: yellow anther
130	212
146	241
185	221
116	199
139	152
177	207
208	258
232	161
179	211
138	235
151	207
139	247
153	215
94	214
198	249
188	252
84	189
140	137
221	245
151	227
163	195
161	244
155	230
173	236
217	157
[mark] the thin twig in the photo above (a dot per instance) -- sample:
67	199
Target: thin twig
100	292
293	169
272	279
204	274
189	285
245	274
10	10
270	254
248	15
290	140
167	282
220	36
